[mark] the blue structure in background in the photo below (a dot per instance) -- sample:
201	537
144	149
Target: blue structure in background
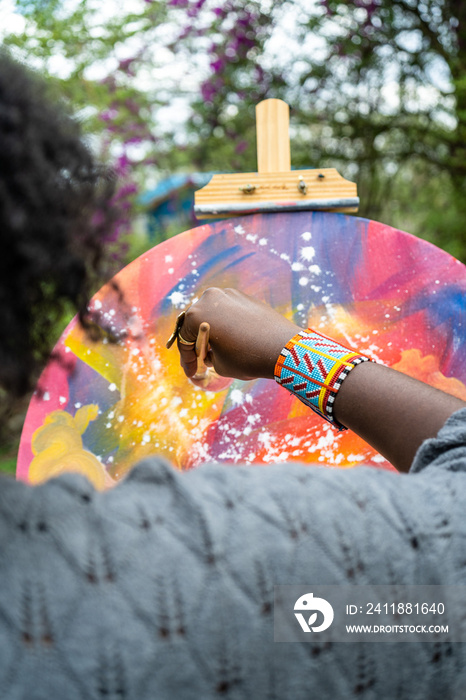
170	205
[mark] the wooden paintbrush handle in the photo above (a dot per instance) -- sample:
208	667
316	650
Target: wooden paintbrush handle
202	345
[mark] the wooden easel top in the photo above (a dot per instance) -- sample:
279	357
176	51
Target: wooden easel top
275	187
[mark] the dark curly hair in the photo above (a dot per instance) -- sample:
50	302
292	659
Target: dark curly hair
55	213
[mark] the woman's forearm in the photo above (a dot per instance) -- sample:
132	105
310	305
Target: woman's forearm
391	411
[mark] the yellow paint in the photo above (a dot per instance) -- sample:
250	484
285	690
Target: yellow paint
104	359
57	447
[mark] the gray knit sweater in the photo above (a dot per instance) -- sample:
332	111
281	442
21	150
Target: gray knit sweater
162	588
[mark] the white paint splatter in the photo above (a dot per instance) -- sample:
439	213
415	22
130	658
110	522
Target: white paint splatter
112	387
253	418
237	397
178	299
306	236
355	458
308	253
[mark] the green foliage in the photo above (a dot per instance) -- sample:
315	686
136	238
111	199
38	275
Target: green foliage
390	89
94	66
8	460
377	89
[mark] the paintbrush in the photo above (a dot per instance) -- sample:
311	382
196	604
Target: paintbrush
202	348
206	377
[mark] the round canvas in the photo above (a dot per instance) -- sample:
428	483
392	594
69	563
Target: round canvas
103	404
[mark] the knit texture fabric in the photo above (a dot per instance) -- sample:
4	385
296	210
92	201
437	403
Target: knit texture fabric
162	588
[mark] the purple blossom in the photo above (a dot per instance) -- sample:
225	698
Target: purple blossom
122	163
125	66
134	139
108	115
208	91
218	65
132	106
241	146
125	191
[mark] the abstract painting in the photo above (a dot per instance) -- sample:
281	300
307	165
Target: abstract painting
102	404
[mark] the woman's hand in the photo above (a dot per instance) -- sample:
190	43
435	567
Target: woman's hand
246	336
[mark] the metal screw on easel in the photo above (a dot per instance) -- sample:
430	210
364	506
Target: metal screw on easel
247	189
302	187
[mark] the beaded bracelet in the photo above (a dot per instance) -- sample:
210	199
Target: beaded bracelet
313	367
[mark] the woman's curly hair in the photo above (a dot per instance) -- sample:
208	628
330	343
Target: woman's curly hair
55	213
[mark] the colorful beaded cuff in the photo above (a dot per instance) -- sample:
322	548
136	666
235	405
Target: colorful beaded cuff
313	368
